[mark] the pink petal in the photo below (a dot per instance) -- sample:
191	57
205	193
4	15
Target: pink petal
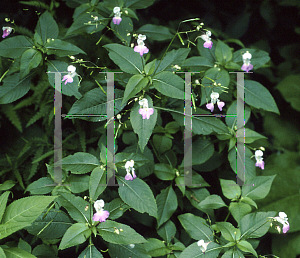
210	106
117	20
101	216
286	228
133	173
208	44
128	177
141	49
221	104
246	67
260	164
149	112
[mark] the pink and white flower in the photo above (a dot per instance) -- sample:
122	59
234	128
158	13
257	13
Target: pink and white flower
117	18
246	59
141	48
215	99
100	215
206	37
146	112
283	219
129	168
6	31
202	245
69	77
259	159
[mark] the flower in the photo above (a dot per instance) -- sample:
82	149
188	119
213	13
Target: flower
259	159
145	111
141	48
69	77
117	18
6	31
129	167
246	59
203	245
215	98
206	37
100	215
283	219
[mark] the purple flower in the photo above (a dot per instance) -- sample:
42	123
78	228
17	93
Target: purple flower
215	99
117	18
283	219
146	112
129	168
141	48
206	37
69	77
100	215
246	59
6	31
259	159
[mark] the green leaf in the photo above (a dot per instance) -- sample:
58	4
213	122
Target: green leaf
174	57
47	27
30	59
123	30
138	4
232	110
13	88
75	235
135	84
258	96
228	231
62	48
203	149
201	125
196	227
219	75
249	201
45	250
205	52
150	67
143	127
116	208
138	195
70	89
155	32
259	57
125	251
26	209
290	90
85	23
78	183
167	231
117	233
194	251
90	252
95	102
246	247
255	225
50	225
230	189
198	63
169	84
3	202
97	182
75	206
156	247
162	143
7	185
164	171
80	163
212	202
239	210
166	205
15	252
11	227
43	185
125	57
223	52
233	253
14	47
2	254
258	187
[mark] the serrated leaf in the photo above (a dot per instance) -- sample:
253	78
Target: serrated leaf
47	27
194	251
125	251
239	210
15	46
212	202
15	252
167	231
97	182
228	231
76	234
138	195
156	247
3	202
30	59
90	252
246	247
230	189
62	48
117	233
164	171
223	52
43	185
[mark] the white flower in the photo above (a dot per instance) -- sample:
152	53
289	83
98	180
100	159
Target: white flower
71	69
117	9
129	168
246	62
283	219
259	159
202	245
99	205
215	99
